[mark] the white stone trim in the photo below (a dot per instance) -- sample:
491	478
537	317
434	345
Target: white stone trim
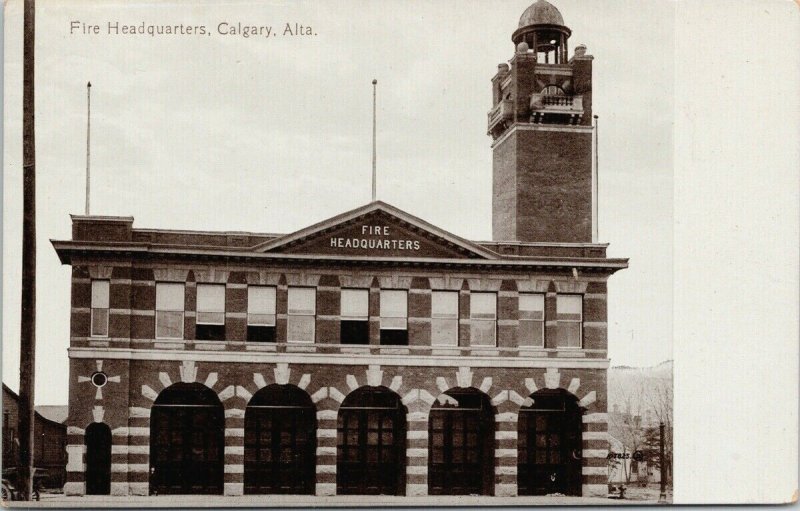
417	452
325	489
326	469
119	489
75	458
234	432
417	434
464	377
505	453
416	490
252	357
243	393
164	378
138	412
149	393
319	395
502	397
334	394
571	286
233	489
574	384
234	468
226	393
304	381
419	470
506	417
326	433
282	373
326	414
595	453
397	382
595	418
588	399
326	451
595	435
505	435
552	378
140	489
234	450
374	375
259	380
506	471
417	417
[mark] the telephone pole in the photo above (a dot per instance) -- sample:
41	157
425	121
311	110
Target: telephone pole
27	355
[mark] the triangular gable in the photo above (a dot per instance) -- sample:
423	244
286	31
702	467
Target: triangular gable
378	230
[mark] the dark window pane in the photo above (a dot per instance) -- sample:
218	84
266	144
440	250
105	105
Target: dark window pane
394	337
260	333
354	332
210	333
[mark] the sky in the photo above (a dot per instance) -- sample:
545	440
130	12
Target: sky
273	134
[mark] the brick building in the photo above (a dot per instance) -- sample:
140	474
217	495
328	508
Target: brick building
49	444
370	353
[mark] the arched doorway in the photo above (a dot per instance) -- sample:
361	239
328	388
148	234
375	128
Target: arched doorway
370	453
98	459
186	441
280	441
460	444
550	444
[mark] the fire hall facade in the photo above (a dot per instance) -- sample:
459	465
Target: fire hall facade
370	353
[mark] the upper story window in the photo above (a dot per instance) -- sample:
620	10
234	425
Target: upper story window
99	320
444	318
355	316
394	317
169	310
569	313
483	319
302	314
210	312
261	313
531	320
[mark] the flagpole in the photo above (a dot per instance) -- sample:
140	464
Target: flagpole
88	135
374	140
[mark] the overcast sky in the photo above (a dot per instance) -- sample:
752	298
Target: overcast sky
273	134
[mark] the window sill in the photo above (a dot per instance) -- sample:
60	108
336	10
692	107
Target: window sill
209	345
260	346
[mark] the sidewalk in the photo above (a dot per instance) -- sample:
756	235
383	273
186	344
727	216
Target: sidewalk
54	500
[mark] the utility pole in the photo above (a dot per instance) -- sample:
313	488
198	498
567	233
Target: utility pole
27	355
662	497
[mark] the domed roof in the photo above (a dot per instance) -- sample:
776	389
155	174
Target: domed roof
541	13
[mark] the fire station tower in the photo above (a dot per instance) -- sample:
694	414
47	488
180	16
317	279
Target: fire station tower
541	123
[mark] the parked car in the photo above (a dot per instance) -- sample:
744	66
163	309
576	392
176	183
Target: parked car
10	486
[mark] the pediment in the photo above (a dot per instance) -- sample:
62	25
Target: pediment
377	230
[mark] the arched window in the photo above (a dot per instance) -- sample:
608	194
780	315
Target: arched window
553	90
370	452
186	441
98	459
461	440
280	441
550	444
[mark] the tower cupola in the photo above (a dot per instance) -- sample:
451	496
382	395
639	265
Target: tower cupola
542	28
